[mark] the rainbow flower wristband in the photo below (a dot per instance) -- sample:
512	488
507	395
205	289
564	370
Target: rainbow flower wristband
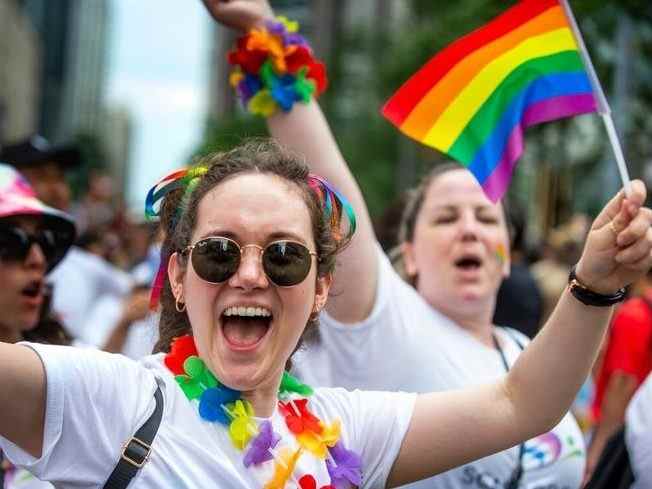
275	67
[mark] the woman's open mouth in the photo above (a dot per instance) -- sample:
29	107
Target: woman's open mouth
468	262
244	327
32	293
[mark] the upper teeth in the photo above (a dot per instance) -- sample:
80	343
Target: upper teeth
247	311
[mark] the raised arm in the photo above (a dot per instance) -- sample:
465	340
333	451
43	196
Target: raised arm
22	404
451	428
306	131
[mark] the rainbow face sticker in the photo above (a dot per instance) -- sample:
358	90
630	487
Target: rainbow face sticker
501	253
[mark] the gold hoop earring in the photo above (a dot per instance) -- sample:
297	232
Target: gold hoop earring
314	315
180	308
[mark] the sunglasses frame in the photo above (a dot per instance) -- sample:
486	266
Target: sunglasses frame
187	252
27	240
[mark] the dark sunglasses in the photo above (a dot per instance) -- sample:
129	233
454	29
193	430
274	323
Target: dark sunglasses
15	244
216	259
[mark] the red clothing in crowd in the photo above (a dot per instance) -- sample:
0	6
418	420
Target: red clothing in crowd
629	347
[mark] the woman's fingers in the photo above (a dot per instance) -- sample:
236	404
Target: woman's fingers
614	206
636	229
640	267
637	250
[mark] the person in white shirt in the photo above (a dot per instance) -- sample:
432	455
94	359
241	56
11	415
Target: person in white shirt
251	247
638	435
82	278
34	238
434	333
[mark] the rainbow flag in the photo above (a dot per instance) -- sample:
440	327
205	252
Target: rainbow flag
474	99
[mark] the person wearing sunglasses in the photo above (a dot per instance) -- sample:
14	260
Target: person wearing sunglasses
428	324
33	240
250	244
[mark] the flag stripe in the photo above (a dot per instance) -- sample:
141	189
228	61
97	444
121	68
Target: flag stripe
496	184
483	122
542	89
413	90
457	115
433	103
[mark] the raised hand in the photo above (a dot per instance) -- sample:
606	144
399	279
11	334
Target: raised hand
240	14
618	248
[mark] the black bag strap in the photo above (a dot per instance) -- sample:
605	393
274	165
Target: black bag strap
137	450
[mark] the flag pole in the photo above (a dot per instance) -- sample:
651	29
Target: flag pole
603	105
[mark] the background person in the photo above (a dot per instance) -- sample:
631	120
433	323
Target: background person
625	364
33	240
638	435
83	277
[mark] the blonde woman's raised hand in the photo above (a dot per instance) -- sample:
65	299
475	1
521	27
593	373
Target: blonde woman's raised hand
618	248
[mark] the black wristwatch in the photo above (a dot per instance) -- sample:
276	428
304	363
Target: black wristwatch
587	296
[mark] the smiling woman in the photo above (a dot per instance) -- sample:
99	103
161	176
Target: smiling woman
249	353
435	332
250	244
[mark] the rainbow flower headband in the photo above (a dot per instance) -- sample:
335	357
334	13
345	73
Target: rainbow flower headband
333	203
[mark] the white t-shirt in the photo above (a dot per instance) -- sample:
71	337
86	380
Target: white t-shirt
638	435
96	401
79	281
141	337
407	345
16	478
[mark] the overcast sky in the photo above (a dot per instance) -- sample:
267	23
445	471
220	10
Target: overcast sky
158	70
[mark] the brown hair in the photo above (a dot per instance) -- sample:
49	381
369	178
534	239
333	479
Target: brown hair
49	329
179	217
415	199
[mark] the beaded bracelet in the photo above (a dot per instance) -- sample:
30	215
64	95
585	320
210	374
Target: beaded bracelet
275	67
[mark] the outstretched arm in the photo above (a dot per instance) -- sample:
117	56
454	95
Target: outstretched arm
452	428
22	404
306	131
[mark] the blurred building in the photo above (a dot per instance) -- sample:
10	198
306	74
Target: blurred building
19	68
74	41
117	131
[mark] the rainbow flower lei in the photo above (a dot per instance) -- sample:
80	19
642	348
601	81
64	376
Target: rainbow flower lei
220	404
275	67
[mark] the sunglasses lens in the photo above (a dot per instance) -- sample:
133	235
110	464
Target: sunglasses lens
286	263
14	245
215	259
48	243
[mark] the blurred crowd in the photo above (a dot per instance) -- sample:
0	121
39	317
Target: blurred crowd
104	279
